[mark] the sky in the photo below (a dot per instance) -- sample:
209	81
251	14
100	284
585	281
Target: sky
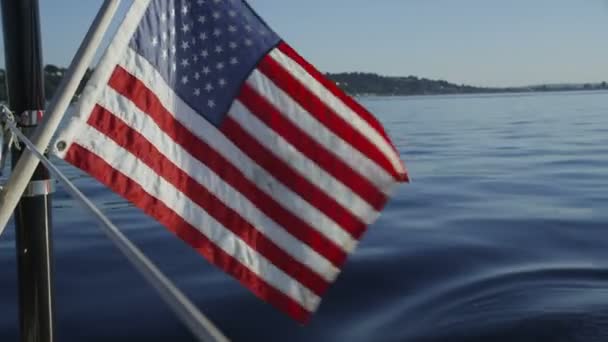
477	42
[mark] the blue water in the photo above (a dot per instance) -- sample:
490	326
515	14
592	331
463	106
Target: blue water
502	236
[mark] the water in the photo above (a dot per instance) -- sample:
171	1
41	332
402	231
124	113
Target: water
502	236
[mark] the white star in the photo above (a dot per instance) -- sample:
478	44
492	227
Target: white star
234	61
206	70
202	36
173	66
248	42
204	53
185	62
219	66
209	87
232	28
163	17
197	92
172	31
217	1
200	2
247	16
248	28
221	82
154	41
185	10
219	49
185	28
195	58
263	32
197	76
217	15
164	36
233	45
172	12
211	103
185	45
165	54
202	19
217	32
173	49
232	13
184	79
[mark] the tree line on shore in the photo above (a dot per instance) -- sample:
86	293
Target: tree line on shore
52	77
354	83
360	83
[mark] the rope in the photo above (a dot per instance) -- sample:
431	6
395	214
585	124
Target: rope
6	145
199	325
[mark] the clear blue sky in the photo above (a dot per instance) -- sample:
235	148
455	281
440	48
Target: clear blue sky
480	42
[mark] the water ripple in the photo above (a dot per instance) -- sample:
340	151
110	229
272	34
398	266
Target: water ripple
500	237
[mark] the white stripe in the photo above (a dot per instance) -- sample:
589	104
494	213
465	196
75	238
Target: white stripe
282	149
124	162
337	106
208	133
293	112
126	110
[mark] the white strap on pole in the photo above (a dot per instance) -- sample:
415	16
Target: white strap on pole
189	314
23	171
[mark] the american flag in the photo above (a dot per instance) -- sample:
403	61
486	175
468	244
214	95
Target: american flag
205	119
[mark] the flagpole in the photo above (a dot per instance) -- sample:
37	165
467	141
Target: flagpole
25	78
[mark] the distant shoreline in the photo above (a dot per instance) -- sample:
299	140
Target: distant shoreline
362	84
369	84
523	92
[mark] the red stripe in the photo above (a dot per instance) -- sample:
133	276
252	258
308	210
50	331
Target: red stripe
130	87
272	117
325	115
131	140
290	178
133	192
339	93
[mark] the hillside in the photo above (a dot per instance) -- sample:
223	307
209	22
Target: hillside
373	84
368	83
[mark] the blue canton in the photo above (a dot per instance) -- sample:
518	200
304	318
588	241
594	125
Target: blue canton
204	49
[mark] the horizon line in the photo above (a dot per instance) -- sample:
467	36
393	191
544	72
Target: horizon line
530	85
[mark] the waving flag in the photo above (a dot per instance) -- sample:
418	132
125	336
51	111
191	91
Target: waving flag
205	119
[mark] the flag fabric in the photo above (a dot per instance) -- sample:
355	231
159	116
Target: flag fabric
206	120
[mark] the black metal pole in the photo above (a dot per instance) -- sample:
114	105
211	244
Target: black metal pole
25	83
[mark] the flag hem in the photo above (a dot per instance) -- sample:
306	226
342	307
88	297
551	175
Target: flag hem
101	76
